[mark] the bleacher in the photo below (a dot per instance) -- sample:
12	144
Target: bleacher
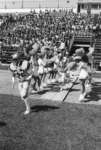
97	53
81	40
84	40
6	53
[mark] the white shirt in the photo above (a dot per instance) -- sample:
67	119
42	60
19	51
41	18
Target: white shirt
24	65
13	67
62	45
41	65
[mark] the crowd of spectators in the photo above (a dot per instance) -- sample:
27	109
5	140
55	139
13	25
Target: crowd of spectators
45	38
23	30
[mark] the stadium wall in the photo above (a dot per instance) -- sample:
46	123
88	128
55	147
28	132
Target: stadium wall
89	6
19	4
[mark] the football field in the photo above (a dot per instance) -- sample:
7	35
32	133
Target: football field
52	124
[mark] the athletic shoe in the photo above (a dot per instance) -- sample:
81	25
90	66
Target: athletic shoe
81	98
44	85
26	112
34	91
53	80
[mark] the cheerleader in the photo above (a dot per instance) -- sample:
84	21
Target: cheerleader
35	76
13	69
84	70
24	75
41	65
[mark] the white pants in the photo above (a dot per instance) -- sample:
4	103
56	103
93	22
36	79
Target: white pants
23	88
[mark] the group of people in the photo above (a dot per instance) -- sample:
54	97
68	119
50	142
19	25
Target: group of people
42	42
36	68
43	65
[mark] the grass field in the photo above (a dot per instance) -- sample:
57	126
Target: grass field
50	126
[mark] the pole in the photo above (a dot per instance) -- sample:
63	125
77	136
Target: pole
39	5
5	5
58	4
70	89
22	4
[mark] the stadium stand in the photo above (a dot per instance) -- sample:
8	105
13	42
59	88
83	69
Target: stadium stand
81	41
97	54
18	30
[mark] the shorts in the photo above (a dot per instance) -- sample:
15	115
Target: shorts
83	75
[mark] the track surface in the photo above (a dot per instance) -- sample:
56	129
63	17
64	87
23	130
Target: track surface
51	125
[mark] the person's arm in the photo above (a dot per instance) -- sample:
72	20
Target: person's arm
24	65
12	67
80	66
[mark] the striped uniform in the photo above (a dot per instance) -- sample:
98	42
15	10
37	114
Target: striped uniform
23	73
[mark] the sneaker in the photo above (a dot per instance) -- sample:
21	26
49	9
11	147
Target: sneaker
38	89
81	98
41	87
53	80
26	112
33	91
44	85
84	94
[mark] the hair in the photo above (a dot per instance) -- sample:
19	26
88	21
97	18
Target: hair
85	59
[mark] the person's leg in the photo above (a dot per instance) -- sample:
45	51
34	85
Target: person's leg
48	76
44	76
90	78
13	80
83	86
51	76
38	82
41	80
54	76
55	73
27	111
32	82
35	84
23	89
83	90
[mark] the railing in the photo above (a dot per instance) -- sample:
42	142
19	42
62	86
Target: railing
83	33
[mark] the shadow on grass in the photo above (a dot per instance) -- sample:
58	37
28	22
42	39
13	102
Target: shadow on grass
42	91
2	124
53	87
95	94
39	108
74	90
